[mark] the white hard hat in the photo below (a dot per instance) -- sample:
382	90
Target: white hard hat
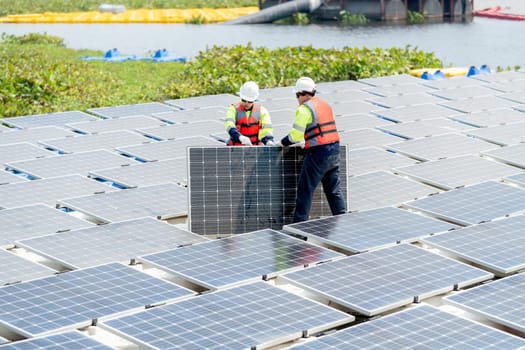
249	91
304	84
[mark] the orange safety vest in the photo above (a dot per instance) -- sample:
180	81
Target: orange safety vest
247	126
322	130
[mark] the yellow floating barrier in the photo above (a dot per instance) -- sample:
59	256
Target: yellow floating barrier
204	15
448	72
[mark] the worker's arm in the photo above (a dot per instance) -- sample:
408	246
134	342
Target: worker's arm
229	124
266	128
303	117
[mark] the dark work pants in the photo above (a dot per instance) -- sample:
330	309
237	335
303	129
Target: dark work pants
320	165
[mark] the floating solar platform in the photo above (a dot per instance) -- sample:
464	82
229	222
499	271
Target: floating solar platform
239	259
282	117
192	115
509	86
376	282
441	146
124	123
359	121
208	101
514	96
425	128
73	299
34	135
520	108
69	164
518	179
16	269
120	241
491	118
473	204
9	178
253	316
456	172
416	112
22	151
108	141
396	90
344	96
501	301
145	174
479	104
163	150
58	119
67	340
504	135
243	189
280	104
183	130
362	138
275	93
366	160
453	82
465	92
48	191
380	188
160	201
398	79
500	77
405	100
344	85
497	246
420	327
131	110
35	220
513	155
368	230
355	107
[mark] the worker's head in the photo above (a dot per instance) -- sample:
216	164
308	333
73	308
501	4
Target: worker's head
305	85
249	92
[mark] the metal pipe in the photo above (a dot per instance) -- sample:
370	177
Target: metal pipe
276	12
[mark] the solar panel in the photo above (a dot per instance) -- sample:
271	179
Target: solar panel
455	172
16	269
513	155
501	77
424	128
84	143
478	104
9	178
366	160
275	92
497	246
509	85
359	121
366	138
203	101
21	151
280	104
354	107
416	112
58	119
405	100
381	188
182	130
33	135
465	92
191	115
242	258
68	340
163	150
244	189
35	220
505	135
382	280
400	89
441	146
247	317
453	82
76	163
420	327
73	299
48	191
344	96
491	118
514	96
501	301
124	123
4	128
130	110
161	201
517	179
473	204
398	79
145	174
120	241
367	230
343	85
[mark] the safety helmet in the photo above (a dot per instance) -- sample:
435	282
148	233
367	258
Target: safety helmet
249	91
304	84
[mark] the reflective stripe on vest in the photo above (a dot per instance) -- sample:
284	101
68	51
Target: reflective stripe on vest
322	130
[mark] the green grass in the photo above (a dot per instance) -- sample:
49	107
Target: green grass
10	7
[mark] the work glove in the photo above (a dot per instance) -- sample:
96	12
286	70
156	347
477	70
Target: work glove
270	143
245	140
298	144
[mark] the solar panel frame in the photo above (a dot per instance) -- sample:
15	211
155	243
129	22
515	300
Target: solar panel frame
518	179
183	130
16	269
465	92
254	316
491	117
504	135
190	115
398	79
124	123
242	258
405	100
400	89
513	155
361	138
207	101
478	104
22	151
424	128
131	109
382	280
34	135
354	107
48	119
359	121
73	299
370	159
367	230
501	301
497	246
9	178
67	340
416	112
120	241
